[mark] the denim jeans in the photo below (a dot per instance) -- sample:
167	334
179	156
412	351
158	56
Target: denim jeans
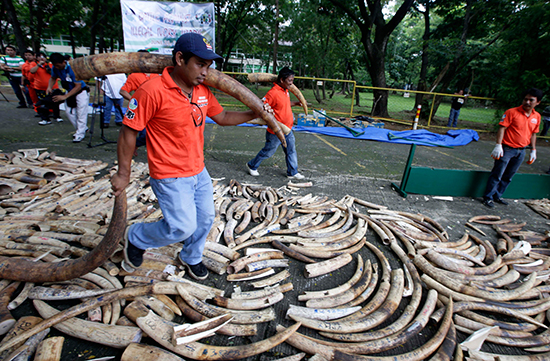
503	171
109	103
271	145
453	117
187	205
15	82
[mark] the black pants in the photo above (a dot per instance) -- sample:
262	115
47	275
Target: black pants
545	126
45	104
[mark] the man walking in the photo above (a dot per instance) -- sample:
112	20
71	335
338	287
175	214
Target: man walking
173	108
518	129
278	99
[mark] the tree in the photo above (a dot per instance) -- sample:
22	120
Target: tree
12	17
375	32
468	29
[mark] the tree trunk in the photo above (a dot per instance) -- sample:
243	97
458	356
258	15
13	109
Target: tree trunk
276	37
315	88
12	18
94	27
424	65
375	32
378	77
2	28
71	39
36	41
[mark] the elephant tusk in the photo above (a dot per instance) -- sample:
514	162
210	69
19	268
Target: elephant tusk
418	354
159	330
23	270
308	295
112	63
108	335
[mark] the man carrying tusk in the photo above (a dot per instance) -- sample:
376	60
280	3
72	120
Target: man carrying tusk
172	108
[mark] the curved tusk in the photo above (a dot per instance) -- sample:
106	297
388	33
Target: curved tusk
420	353
159	330
347	296
392	341
108	335
308	295
241	317
230	329
365	323
320	268
112	63
23	270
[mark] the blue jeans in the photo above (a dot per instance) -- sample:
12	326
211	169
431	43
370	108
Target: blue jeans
15	82
141	138
453	117
187	205
271	145
109	103
503	171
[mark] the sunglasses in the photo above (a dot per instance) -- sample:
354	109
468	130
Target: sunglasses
196	113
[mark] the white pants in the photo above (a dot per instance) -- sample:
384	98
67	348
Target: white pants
79	116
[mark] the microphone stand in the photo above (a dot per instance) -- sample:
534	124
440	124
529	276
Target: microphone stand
101	106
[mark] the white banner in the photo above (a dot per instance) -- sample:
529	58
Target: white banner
155	26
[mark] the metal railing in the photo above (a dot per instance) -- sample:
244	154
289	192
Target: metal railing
478	113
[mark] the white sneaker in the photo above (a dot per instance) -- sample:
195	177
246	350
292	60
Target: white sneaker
44	122
59	120
77	139
252	172
296	176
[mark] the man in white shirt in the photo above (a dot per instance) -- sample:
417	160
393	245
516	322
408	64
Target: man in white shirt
110	86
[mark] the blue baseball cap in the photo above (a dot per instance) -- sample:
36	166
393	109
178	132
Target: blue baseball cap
196	44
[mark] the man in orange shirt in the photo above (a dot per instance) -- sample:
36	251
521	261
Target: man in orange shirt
132	84
518	129
41	74
173	108
28	78
278	98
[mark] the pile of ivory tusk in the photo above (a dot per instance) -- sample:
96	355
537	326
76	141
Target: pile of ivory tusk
490	284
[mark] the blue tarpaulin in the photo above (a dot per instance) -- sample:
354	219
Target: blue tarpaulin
453	138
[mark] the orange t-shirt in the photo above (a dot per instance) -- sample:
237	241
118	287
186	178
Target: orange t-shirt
135	80
42	78
26	71
279	100
174	143
520	127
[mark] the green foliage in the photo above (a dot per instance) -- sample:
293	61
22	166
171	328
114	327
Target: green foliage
320	40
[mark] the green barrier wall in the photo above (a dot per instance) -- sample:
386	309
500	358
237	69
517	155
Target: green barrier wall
460	183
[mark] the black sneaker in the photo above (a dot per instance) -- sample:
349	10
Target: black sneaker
488	203
133	256
197	271
21	106
501	201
